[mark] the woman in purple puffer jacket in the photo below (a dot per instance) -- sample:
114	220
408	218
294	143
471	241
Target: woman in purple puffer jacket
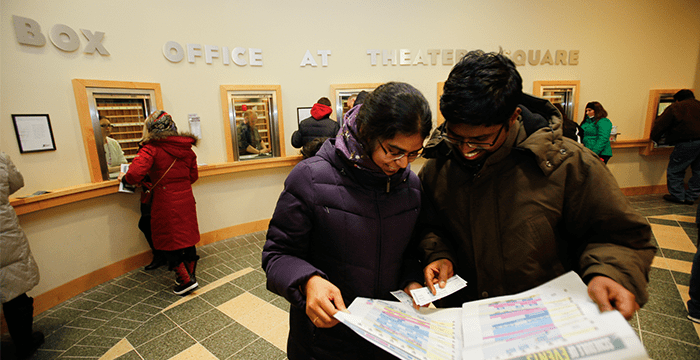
344	221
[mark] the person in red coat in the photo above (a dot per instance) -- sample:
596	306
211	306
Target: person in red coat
167	157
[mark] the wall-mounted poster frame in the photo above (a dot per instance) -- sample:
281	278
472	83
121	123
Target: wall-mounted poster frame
33	132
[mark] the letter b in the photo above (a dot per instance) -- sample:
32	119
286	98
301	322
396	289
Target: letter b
28	31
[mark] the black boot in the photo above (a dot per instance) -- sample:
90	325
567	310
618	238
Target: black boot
158	261
19	314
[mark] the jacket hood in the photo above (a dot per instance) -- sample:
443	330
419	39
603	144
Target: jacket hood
538	131
176	144
320	111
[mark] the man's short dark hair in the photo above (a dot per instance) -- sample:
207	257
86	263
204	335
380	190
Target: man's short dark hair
324	101
482	89
684	94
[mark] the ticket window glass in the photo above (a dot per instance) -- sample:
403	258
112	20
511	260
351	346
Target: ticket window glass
262	133
564	93
126	110
342	93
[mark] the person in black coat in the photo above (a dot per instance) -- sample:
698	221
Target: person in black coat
319	124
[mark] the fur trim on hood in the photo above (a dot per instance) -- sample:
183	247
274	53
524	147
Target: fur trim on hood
164	134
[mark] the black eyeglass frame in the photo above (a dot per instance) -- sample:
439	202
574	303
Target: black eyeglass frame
410	156
473	144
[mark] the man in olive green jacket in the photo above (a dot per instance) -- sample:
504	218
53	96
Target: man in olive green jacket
510	203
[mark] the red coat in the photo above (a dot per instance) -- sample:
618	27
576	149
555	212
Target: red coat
173	211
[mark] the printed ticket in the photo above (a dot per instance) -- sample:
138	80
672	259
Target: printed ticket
423	295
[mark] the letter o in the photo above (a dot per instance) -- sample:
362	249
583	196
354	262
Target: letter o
73	42
519	57
179	51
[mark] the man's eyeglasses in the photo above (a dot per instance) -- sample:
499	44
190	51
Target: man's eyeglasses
473	144
410	156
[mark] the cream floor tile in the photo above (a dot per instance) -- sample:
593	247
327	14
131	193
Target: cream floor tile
690	219
660	262
278	335
264	319
672	237
195	352
242	305
208	287
121	348
679	265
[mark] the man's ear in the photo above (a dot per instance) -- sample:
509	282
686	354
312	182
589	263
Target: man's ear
514	117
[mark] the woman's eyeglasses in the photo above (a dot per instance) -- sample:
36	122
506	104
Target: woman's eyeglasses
398	156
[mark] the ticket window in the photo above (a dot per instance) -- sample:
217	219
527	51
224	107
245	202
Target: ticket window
564	93
265	134
125	105
342	93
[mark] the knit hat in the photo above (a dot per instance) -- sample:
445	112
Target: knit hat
160	121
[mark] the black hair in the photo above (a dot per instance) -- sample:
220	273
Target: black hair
482	89
361	97
391	109
311	148
684	94
324	101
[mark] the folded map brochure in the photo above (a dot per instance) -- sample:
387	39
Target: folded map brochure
554	321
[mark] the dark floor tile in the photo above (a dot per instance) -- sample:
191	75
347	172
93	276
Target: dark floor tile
262	292
48	324
166	346
662	288
134	296
663	222
123	324
83	304
260	349
662	348
678	255
656	274
127	282
668	326
43	354
131	355
135	316
681	278
98	296
145	309
281	303
85	352
114	306
111	332
99	341
250	280
201	275
207	324
671	306
101	314
64	338
111	288
229	341
221	294
150	330
188	310
86	323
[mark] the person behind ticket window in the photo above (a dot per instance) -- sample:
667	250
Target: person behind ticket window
249	140
114	155
510	203
343	221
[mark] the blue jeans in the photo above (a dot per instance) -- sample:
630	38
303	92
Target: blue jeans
684	154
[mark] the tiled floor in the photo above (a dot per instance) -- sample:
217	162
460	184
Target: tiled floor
233	316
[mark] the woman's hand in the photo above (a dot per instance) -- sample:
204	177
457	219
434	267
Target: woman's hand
323	300
121	175
411	286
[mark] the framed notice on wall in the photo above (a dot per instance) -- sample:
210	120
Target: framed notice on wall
33	133
302	114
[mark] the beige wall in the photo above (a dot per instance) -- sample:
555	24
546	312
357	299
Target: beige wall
626	49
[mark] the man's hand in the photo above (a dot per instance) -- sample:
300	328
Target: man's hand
121	175
437	272
609	295
323	300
